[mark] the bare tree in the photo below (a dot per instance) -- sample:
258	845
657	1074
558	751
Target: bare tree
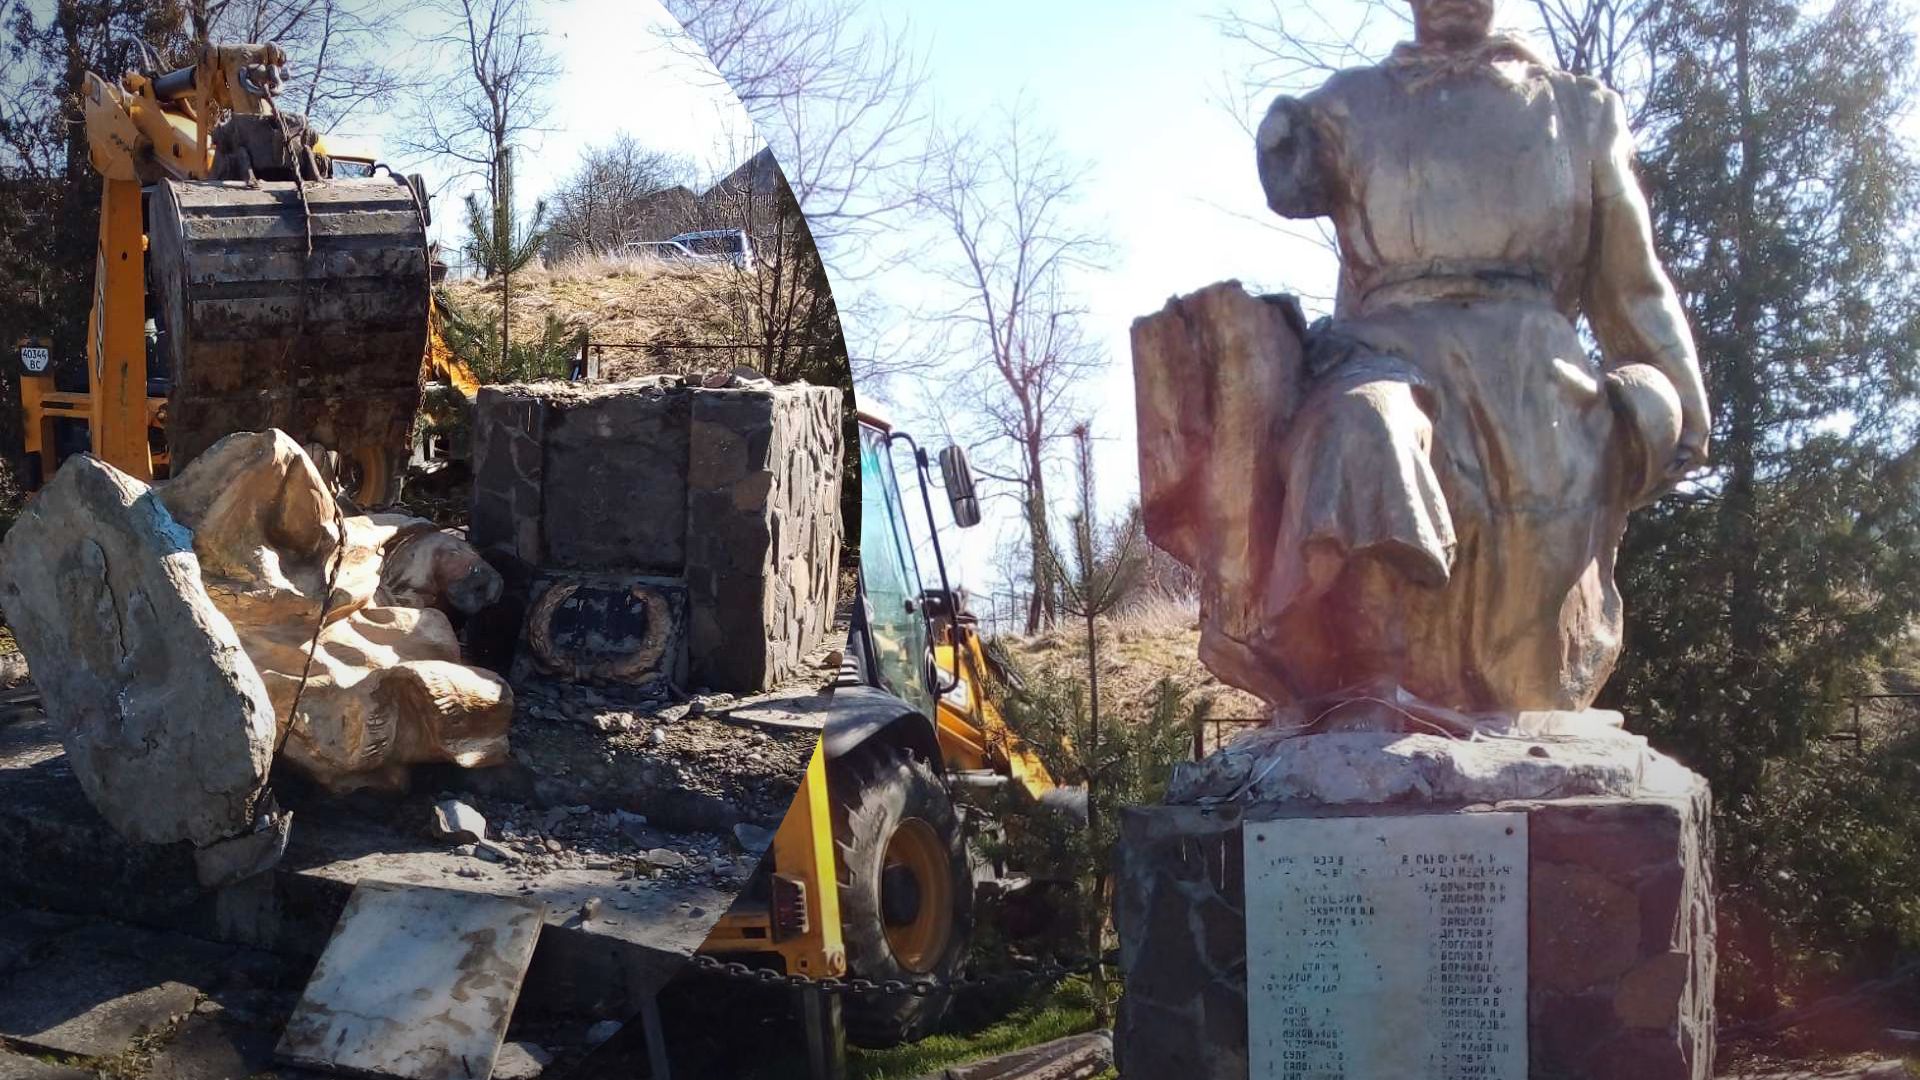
794	324
837	100
613	198
1005	201
504	67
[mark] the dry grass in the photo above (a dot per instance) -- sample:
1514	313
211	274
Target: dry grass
627	299
1147	641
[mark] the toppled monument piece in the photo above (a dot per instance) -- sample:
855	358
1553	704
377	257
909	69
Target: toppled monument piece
181	633
162	713
386	688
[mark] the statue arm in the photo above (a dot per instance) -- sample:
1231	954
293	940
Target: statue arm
1631	303
1291	148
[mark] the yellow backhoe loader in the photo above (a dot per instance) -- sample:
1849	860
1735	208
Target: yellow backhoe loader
871	874
242	283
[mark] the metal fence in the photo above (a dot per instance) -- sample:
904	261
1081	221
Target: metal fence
1879	718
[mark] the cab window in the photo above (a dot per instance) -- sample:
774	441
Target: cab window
894	623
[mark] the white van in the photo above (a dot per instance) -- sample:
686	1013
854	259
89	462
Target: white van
731	245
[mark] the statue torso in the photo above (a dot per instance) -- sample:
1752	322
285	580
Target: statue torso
1488	172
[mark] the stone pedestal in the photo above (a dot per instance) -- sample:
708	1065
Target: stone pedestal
1621	914
730	496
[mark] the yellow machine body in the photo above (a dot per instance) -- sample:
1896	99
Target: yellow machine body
972	737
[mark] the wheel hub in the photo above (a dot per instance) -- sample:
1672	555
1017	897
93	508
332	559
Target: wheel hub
899	895
916	895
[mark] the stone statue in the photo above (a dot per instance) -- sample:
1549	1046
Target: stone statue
1407	516
183	635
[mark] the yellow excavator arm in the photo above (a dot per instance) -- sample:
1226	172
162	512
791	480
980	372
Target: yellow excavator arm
260	290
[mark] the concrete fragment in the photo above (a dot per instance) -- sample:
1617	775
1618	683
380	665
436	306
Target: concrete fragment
237	858
455	820
520	1061
167	723
602	1031
666	858
753	838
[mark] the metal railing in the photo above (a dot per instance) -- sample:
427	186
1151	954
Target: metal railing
1859	704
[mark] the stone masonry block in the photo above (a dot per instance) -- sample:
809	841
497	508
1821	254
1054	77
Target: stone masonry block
733	491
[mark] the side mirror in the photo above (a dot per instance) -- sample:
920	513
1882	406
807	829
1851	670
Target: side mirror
958	480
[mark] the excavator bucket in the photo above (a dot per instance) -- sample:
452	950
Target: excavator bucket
298	307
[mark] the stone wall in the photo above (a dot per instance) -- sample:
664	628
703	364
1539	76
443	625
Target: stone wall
1620	950
763	531
734	491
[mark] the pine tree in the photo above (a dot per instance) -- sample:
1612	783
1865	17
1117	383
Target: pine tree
501	244
1763	595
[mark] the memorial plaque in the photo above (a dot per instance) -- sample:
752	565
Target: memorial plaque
1387	948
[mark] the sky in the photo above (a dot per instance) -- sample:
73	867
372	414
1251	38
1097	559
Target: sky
1131	89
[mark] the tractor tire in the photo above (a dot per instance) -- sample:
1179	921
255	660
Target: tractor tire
906	890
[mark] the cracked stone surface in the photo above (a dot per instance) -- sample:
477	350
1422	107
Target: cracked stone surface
167	723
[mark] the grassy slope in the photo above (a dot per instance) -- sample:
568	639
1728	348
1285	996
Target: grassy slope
624	300
1137	649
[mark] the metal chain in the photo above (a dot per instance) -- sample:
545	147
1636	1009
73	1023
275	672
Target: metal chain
734	969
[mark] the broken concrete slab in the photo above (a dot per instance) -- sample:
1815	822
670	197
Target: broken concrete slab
94	989
166	721
417	983
56	851
93	1004
20	1067
210	1045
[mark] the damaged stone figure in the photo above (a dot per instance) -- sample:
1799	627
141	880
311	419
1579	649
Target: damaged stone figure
1404	520
1442	474
188	633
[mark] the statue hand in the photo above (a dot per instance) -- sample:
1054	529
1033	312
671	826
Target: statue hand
1691	453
